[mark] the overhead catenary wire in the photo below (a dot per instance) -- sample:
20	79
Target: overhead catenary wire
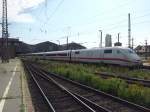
100	15
93	32
106	27
55	10
112	26
57	7
60	3
86	33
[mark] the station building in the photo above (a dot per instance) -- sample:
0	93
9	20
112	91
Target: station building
12	46
142	50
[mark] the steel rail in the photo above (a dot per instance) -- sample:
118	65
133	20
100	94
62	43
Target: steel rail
146	67
92	104
88	108
42	92
143	82
85	100
133	105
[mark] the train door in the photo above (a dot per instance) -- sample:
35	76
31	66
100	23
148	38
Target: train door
70	55
121	58
74	55
101	55
94	56
118	56
77	56
88	56
108	56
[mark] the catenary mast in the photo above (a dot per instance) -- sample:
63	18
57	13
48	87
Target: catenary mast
129	31
4	53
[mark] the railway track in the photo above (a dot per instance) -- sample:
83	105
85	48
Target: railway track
107	101
145	68
59	99
130	80
39	99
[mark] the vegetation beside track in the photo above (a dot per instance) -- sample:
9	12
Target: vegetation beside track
84	73
93	68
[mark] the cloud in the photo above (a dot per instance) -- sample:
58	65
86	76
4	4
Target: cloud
31	3
26	18
17	9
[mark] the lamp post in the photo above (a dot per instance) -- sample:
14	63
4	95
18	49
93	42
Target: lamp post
82	43
58	44
145	49
100	45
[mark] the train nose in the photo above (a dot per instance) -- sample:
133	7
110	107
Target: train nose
139	62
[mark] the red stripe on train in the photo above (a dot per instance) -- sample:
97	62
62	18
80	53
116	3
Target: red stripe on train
113	59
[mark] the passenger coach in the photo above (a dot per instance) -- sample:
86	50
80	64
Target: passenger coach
110	55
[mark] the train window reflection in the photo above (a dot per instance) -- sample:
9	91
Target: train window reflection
131	51
108	51
77	52
118	52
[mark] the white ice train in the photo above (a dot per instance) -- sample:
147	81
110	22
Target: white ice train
108	55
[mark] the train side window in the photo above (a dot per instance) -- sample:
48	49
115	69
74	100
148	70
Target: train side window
62	54
108	51
131	51
118	52
77	52
50	54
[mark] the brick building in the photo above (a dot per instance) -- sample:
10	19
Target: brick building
143	50
12	43
71	46
16	47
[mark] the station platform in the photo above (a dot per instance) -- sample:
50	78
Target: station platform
146	64
14	93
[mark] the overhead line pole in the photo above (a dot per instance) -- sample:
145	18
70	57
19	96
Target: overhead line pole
118	37
129	31
132	43
4	53
146	49
67	43
100	45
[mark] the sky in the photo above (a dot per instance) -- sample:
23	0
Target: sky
34	21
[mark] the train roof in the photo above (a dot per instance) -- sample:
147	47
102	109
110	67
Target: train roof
50	52
112	48
103	48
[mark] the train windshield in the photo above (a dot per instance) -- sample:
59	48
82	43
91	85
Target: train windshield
130	51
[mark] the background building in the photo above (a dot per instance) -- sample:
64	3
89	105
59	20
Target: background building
12	43
16	47
142	50
108	41
118	44
71	46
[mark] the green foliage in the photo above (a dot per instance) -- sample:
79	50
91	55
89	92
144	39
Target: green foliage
93	68
140	74
84	73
